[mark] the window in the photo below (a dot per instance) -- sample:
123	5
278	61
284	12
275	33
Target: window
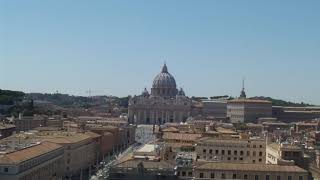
278	178
248	153
234	176
235	153
260	146
210	151
184	173
267	177
241	159
204	150
223	176
229	158
260	153
217	152
229	152
245	176
300	177
6	169
254	146
289	177
235	158
253	161
260	160
201	175
241	153
256	177
254	153
222	152
190	174
286	154
212	176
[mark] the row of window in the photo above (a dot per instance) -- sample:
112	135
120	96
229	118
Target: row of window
235	176
229	152
232	145
229	159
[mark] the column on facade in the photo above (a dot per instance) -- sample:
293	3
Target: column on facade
138	117
145	116
161	114
151	116
157	116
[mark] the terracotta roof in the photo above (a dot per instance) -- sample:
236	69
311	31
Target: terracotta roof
170	129
92	134
225	130
276	146
66	138
28	153
226	140
179	145
181	136
6	126
250	167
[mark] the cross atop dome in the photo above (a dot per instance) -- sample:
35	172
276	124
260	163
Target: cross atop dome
164	68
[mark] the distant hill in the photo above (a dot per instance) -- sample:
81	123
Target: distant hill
275	102
63	100
70	101
8	97
279	102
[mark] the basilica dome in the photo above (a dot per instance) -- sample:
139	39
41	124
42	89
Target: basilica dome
164	83
164	79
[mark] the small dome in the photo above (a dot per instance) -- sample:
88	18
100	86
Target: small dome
164	79
145	92
181	92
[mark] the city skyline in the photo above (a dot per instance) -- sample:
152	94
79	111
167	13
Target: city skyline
114	48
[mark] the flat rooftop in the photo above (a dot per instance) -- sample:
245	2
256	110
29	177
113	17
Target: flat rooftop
147	148
28	152
250	167
6	126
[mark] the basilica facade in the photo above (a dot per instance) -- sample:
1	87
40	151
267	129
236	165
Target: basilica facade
164	104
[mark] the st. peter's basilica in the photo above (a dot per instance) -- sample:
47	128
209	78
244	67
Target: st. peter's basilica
165	103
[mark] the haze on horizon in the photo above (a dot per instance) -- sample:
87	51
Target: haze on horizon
117	48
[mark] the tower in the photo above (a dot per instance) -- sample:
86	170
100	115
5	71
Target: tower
243	93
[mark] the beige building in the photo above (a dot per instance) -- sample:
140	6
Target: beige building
231	150
215	108
214	170
26	123
248	110
23	160
80	151
164	104
286	154
6	130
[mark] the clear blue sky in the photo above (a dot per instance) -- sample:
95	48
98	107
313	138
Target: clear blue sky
117	47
